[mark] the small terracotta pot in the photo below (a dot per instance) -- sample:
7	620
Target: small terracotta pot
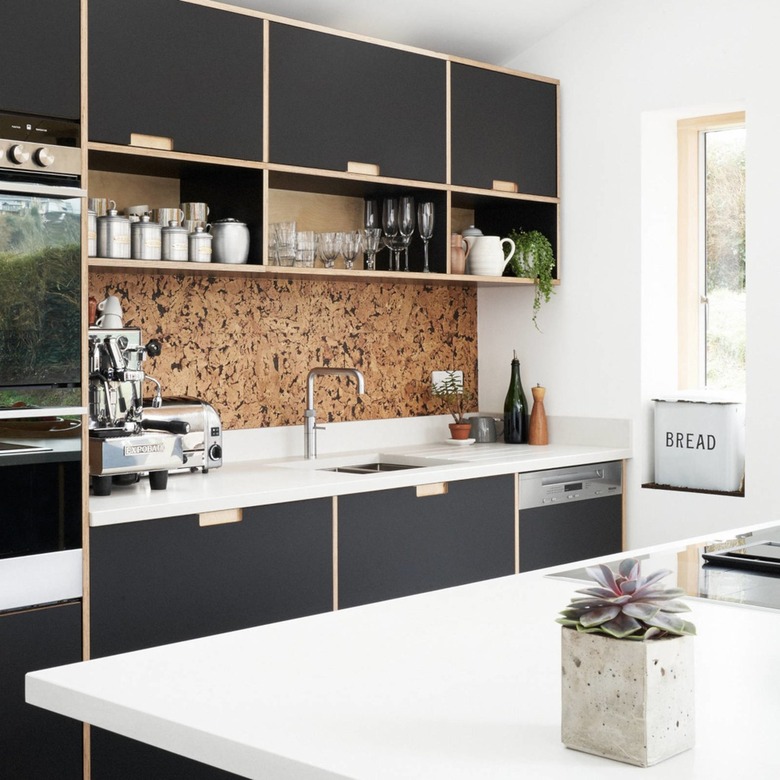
460	430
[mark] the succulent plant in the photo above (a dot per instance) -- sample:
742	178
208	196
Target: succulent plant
628	606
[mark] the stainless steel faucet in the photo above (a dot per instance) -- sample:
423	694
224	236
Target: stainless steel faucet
310	427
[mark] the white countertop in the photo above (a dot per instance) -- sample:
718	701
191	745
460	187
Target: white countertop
459	683
258	481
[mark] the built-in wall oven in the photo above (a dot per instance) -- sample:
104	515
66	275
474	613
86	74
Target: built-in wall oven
40	361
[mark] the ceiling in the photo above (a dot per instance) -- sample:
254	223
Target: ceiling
493	31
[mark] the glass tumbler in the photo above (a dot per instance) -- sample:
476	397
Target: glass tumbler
305	248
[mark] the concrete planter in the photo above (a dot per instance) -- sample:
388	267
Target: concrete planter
627	700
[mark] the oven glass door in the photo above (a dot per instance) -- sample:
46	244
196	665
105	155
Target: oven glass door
40	296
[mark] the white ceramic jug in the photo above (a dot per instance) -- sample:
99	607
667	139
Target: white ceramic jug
485	255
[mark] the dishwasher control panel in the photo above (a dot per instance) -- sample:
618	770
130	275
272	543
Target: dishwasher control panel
580	483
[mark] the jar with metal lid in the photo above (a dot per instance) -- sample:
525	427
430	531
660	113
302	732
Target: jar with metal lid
91	233
200	246
113	235
174	242
146	239
231	241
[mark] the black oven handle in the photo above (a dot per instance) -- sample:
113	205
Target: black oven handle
42	190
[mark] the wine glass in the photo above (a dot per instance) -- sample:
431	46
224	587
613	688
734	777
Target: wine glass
425	228
390	227
350	246
371	239
330	248
406	225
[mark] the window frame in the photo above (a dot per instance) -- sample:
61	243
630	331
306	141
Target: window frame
690	243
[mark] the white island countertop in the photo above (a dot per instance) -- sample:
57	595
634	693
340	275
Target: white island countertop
458	683
257	481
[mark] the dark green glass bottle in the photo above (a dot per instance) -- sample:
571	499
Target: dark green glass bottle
515	408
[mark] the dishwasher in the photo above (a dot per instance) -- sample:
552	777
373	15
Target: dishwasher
570	514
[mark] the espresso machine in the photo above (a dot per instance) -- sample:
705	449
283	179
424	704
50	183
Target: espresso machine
130	436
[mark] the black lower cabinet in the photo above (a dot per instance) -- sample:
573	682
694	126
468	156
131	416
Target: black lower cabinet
118	758
392	543
169	580
36	743
550	536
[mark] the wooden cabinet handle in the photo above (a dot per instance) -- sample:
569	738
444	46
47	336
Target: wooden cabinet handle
367	169
220	517
433	489
151	141
505	186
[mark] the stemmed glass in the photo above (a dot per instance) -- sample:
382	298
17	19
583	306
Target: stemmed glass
371	239
406	225
425	228
370	215
390	227
330	248
350	246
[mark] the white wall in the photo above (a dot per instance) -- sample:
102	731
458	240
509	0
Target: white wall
628	70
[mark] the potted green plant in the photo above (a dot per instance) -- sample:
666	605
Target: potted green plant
533	258
627	667
456	399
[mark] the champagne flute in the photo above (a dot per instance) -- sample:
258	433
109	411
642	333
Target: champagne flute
425	228
406	224
370	214
390	227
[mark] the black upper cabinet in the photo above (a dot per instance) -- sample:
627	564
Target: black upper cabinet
335	100
173	69
504	128
39	58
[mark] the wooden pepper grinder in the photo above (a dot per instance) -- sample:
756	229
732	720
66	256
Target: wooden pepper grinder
537	428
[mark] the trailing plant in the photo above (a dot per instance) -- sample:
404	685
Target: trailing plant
453	396
533	259
628	606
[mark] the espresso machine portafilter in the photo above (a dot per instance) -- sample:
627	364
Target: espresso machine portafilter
121	441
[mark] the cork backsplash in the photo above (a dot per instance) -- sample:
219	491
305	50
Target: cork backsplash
246	344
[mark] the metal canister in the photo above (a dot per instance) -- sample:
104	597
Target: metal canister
231	241
174	242
91	233
200	246
113	235
146	239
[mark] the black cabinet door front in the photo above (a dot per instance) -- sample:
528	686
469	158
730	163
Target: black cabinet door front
392	543
570	532
36	743
169	580
335	100
504	128
39	58
173	69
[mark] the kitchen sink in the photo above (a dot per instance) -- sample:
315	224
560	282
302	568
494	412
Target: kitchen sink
371	468
364	463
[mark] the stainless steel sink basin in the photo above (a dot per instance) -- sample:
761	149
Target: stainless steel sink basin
364	463
371	468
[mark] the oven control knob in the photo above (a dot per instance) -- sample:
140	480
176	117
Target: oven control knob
43	157
18	154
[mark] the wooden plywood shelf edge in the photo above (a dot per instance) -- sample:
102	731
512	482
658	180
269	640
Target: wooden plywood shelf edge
341	274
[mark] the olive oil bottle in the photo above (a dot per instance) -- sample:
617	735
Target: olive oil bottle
516	414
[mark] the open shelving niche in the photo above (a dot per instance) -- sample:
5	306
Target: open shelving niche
260	194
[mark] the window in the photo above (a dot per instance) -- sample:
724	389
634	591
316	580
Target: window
711	249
